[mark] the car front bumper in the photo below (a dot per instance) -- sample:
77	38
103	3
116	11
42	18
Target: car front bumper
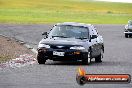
128	32
68	55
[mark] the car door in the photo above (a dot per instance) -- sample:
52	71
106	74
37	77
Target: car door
99	41
94	43
100	44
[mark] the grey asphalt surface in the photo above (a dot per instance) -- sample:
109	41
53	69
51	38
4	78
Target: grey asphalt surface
117	59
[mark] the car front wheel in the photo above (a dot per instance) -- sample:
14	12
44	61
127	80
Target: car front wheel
87	60
41	59
126	35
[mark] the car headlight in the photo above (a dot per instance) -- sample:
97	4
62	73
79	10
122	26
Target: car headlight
77	47
43	46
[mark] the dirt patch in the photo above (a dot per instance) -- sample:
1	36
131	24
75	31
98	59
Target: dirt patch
10	49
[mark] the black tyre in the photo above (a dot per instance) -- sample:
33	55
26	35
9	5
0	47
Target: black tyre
126	35
98	59
87	60
41	59
130	36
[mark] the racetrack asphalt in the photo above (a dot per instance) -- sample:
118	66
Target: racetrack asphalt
117	59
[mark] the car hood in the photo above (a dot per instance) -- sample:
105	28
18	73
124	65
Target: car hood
128	27
64	41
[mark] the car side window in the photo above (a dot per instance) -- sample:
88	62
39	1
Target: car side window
129	22
94	32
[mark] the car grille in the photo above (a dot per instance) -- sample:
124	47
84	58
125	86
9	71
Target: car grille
130	30
59	47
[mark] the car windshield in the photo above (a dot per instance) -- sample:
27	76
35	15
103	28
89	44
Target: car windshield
68	31
130	22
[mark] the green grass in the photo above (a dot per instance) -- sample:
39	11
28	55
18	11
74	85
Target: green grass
52	11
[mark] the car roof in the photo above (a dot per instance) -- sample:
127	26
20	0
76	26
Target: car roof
74	24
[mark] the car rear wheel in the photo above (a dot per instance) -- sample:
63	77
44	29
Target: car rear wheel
87	60
41	59
98	59
126	35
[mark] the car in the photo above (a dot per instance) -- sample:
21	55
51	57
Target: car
71	41
128	29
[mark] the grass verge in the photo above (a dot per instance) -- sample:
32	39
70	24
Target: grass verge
52	11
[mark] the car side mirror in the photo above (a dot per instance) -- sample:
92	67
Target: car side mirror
90	40
93	36
44	33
